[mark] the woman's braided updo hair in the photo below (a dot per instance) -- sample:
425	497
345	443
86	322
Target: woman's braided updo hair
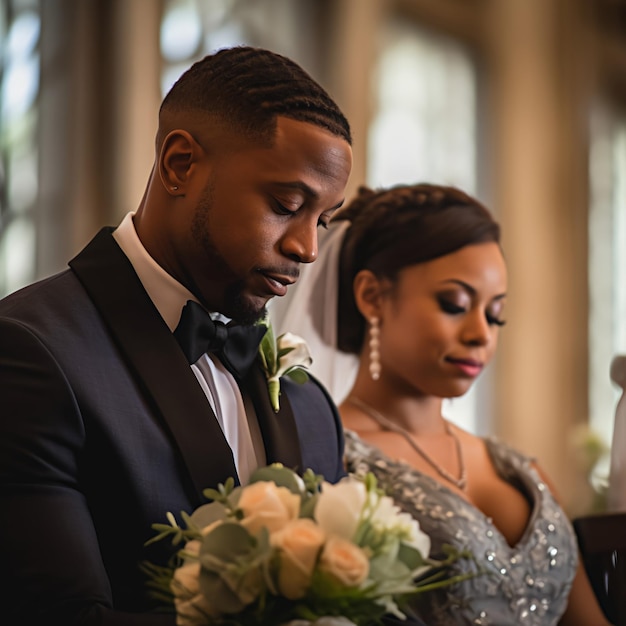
398	227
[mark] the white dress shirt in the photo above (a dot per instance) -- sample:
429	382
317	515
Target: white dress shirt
240	427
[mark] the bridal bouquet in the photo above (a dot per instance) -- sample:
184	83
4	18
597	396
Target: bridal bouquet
287	548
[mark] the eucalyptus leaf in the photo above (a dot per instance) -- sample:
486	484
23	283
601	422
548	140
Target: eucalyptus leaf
226	542
411	557
268	351
283	351
208	514
221	597
281	476
297	374
307	508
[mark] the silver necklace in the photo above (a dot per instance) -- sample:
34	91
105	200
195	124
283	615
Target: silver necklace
460	483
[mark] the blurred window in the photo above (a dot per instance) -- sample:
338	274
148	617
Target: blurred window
607	261
424	129
191	29
19	90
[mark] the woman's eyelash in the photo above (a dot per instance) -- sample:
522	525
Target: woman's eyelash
455	309
449	307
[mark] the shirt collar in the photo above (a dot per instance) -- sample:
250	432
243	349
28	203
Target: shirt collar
166	293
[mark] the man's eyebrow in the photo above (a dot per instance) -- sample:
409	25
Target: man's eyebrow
300	186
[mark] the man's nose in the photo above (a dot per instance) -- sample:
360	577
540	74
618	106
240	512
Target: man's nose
300	242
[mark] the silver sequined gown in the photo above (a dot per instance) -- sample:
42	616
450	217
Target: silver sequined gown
525	584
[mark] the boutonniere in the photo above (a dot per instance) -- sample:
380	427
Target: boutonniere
286	355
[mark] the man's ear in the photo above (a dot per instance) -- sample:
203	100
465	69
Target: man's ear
178	154
368	293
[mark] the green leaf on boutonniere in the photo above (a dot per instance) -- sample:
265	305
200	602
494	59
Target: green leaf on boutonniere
286	355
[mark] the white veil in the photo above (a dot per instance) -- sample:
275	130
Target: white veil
310	310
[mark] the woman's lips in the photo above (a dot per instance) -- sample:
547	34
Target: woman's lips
468	367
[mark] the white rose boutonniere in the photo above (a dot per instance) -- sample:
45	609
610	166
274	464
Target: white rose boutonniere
287	355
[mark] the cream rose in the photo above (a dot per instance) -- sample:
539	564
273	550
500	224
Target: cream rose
192	611
266	505
299	543
344	561
191	605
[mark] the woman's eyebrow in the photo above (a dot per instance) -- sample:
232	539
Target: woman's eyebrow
471	290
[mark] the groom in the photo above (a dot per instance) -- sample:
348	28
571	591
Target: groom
108	418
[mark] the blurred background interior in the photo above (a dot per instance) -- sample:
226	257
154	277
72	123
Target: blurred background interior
520	102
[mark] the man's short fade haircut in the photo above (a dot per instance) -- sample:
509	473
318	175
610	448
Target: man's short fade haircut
246	88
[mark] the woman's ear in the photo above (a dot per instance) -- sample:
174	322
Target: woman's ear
178	154
368	294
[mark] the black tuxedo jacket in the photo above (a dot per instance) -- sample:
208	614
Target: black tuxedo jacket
104	429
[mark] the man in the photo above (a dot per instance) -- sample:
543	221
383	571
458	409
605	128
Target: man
105	423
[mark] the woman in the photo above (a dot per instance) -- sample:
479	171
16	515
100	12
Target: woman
422	285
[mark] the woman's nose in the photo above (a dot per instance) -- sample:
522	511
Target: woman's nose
477	329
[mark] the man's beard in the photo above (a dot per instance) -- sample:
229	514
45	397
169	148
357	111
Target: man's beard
234	305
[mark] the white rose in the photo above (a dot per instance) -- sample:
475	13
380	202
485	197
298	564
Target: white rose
299	543
414	536
344	561
266	505
339	507
299	356
389	517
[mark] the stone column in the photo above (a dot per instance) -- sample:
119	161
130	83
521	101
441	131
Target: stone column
539	69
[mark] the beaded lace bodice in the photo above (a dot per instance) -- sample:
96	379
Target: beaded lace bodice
527	584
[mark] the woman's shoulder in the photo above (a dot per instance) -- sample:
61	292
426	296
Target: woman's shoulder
506	458
355	447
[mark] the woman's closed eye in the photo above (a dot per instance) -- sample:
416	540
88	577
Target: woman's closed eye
492	320
451	307
456	309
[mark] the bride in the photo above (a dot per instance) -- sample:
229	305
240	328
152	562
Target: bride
419	287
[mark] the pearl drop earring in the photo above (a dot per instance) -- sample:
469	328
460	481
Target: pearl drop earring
374	345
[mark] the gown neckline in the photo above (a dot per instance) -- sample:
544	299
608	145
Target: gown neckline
497	463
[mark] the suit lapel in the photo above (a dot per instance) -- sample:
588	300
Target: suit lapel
156	359
280	434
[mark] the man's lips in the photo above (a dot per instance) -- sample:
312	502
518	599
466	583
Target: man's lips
278	283
469	367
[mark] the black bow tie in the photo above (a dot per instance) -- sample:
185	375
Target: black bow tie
235	346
